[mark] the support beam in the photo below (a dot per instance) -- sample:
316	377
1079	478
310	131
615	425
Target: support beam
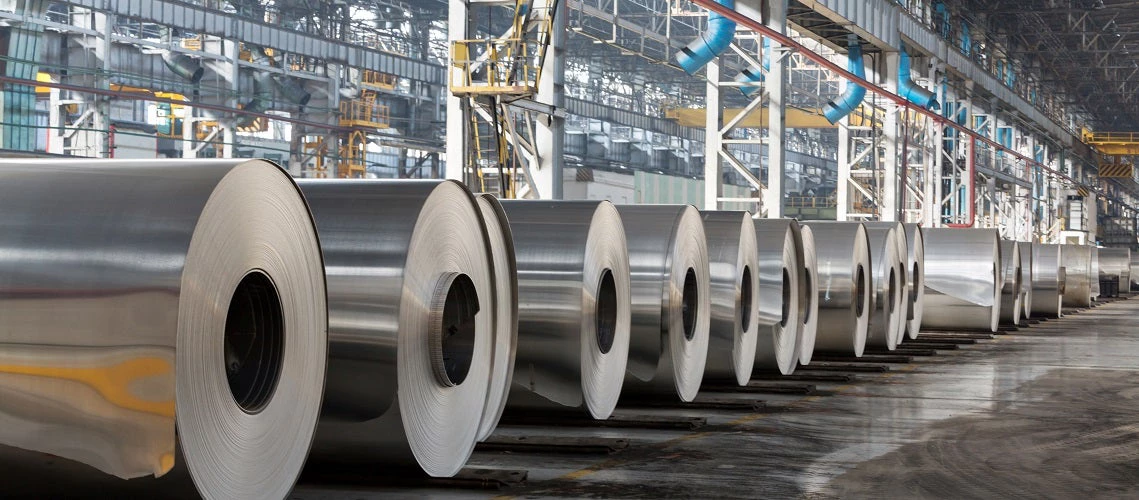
713	181
776	86
458	112
549	131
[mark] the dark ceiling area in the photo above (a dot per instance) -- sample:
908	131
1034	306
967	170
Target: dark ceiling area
1088	50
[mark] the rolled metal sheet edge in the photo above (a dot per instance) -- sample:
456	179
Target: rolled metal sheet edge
574	310
810	288
845	283
779	272
117	319
505	282
411	321
915	276
668	263
733	292
1010	283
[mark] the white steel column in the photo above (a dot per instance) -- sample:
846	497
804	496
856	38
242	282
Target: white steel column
893	167
842	183
776	86
456	141
550	130
713	143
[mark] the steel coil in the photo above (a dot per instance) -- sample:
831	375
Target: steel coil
1026	277
842	251
411	311
1011	307
1047	280
1116	263
888	303
811	288
915	279
1134	270
573	305
780	268
734	288
962	279
668	262
505	273
114	272
1077	275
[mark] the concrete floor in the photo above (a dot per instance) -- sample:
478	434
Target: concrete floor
1050	411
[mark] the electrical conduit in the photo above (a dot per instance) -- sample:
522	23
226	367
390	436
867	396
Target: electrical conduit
711	43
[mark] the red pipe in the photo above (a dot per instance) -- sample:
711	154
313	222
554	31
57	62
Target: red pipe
971	168
901	101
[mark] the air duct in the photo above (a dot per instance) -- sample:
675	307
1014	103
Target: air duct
910	90
854	93
711	43
184	66
292	89
752	76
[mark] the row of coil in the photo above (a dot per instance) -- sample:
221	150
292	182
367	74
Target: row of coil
223	319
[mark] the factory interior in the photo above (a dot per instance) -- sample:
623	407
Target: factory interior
496	249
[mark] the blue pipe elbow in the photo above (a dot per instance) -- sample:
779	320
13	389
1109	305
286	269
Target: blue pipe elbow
699	52
753	76
910	90
854	93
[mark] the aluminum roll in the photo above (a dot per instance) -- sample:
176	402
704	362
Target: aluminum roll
1093	274
962	279
779	255
1077	260
668	261
1134	270
573	304
114	272
505	274
842	252
1047	280
733	292
811	287
1011	307
888	307
1116	262
915	279
411	311
1026	277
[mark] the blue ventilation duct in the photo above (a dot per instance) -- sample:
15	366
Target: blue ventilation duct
850	99
910	90
753	76
711	43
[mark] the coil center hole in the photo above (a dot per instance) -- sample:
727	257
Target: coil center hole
891	291
807	281
859	292
786	313
745	299
456	327
917	282
254	342
689	303
606	312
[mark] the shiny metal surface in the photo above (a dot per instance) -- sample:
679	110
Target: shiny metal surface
505	273
1134	270
779	295
1026	252
1047	280
842	253
733	293
390	249
574	301
1116	262
811	288
668	263
888	302
915	278
1011	307
119	281
1077	260
962	279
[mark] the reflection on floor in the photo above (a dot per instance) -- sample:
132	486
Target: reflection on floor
1049	411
